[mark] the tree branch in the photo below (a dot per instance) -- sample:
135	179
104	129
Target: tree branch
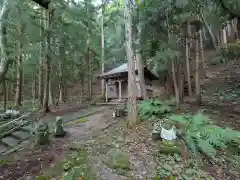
224	7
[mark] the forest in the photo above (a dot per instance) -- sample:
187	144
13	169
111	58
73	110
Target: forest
60	59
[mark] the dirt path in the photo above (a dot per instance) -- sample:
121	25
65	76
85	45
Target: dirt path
101	133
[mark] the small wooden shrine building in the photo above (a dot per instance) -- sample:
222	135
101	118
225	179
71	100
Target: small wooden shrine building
117	82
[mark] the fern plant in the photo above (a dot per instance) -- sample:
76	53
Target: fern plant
231	51
158	108
201	135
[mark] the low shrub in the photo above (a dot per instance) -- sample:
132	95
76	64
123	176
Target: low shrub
150	108
231	51
202	136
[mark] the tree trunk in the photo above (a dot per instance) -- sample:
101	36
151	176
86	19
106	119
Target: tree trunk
139	62
51	99
175	85
40	81
18	98
238	27
88	53
47	66
33	90
89	76
132	104
198	88
229	29
10	91
103	53
202	52
169	86
41	64
4	62
181	80
4	89
205	33
82	89
210	32
187	44
224	36
219	42
61	69
61	97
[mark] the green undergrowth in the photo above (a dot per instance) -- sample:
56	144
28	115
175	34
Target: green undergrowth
75	166
202	136
173	167
82	119
119	161
197	131
77	121
231	95
158	108
231	51
116	159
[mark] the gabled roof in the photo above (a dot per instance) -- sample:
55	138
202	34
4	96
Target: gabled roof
43	3
124	69
120	69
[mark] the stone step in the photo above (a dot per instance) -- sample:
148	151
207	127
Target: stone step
20	122
21	135
28	128
10	141
3	148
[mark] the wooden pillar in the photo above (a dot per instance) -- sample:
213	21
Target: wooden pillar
106	91
119	90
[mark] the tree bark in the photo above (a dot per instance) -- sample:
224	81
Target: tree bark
61	69
169	86
139	62
187	44
238	27
82	88
10	92
89	75
224	36
4	63
132	104
41	64
33	90
175	85
229	29
181	80
198	88
202	52
18	98
88	53
47	65
102	53
51	98
214	42
61	92
4	89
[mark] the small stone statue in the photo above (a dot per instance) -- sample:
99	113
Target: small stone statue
120	110
43	134
59	130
